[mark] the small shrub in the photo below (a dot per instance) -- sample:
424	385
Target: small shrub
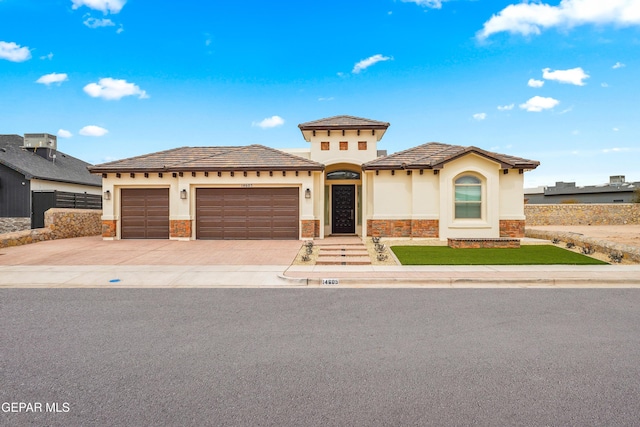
616	257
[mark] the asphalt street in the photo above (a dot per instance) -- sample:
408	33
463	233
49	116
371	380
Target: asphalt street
319	357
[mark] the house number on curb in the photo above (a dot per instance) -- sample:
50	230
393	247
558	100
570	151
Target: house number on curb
330	281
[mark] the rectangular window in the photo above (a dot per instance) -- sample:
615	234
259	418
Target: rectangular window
344	145
362	145
324	145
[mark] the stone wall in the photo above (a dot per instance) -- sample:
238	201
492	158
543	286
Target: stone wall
402	228
500	243
583	214
310	228
59	224
9	225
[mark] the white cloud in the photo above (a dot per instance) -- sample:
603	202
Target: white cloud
49	56
432	4
539	103
47	79
97	23
366	63
531	18
480	116
616	150
574	76
618	65
615	129
93	130
62	133
269	122
535	83
331	98
105	6
13	52
506	107
605	84
113	89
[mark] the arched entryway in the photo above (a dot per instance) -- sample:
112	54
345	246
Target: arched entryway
343	199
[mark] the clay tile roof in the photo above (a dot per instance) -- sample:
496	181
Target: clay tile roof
251	157
343	122
434	155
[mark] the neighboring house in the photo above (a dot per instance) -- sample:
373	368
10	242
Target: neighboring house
339	185
616	191
35	176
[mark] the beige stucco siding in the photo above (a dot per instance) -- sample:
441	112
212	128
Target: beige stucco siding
512	195
43	185
425	192
335	155
392	197
488	172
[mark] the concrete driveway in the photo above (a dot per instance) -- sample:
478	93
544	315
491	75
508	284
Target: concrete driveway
95	251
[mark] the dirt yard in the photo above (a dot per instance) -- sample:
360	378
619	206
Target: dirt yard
624	234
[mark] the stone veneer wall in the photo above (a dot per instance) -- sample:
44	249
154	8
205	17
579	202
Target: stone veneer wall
511	228
583	214
403	228
177	228
9	225
59	224
501	243
310	228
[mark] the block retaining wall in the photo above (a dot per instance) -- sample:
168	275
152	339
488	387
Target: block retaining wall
583	214
59	224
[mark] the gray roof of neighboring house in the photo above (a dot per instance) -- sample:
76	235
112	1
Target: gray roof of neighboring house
250	157
570	188
66	168
434	155
343	122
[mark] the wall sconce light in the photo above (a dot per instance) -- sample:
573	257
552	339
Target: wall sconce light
107	195
307	193
183	194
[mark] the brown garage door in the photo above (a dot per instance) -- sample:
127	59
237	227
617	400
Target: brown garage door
145	213
247	213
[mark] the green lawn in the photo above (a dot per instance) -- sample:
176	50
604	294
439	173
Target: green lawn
526	255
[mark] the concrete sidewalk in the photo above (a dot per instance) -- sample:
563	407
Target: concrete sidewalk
201	276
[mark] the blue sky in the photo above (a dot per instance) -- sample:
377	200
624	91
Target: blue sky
554	81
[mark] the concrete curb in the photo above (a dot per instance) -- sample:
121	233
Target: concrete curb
455	282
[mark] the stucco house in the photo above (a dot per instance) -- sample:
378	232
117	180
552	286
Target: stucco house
340	184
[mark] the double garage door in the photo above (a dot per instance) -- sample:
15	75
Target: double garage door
247	213
221	213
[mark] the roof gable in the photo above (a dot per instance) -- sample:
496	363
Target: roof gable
65	168
250	157
343	122
435	155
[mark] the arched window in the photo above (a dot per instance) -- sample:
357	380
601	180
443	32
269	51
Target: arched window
468	197
343	174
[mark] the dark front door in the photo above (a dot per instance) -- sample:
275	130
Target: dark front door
343	200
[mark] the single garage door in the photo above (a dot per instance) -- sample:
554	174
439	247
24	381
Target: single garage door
247	213
144	213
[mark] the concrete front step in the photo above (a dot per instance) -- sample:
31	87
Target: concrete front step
359	260
347	246
344	253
